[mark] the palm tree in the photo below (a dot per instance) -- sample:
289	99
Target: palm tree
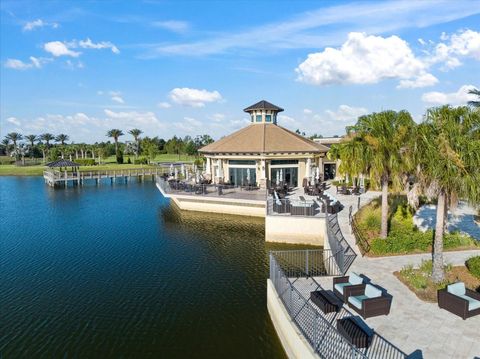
62	138
43	147
135	132
31	139
377	150
477	102
446	151
14	137
47	137
115	134
6	144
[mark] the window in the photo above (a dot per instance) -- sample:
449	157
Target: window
274	118
253	118
241	162
268	118
284	162
259	118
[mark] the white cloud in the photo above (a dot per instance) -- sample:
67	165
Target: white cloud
307	111
32	25
465	43
421	81
164	105
116	96
461	97
324	26
35	62
58	48
147	118
365	59
194	97
287	120
88	44
14	121
172	25
346	113
218	117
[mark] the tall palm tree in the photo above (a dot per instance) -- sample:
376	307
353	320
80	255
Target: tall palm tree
47	137
14	137
62	138
31	139
447	154
379	142
115	134
6	144
135	132
474	103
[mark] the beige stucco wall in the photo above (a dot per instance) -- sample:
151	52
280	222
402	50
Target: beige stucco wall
239	207
295	229
292	340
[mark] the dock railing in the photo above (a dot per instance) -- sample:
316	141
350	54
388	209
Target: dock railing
315	327
318	328
344	254
190	188
294	207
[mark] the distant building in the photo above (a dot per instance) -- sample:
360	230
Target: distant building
264	152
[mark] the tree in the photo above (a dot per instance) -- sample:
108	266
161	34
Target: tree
447	155
14	137
377	150
31	139
6	145
62	138
115	134
135	132
474	103
47	137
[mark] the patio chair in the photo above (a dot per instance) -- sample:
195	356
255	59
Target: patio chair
459	300
343	285
369	301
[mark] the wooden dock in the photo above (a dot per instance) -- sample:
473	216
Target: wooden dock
55	177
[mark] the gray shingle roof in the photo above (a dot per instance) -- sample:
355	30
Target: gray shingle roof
263	105
62	163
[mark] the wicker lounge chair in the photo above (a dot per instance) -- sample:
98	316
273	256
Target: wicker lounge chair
369	301
459	300
343	285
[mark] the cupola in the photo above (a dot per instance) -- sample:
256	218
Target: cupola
263	112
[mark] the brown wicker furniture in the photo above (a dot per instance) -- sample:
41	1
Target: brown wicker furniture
353	332
343	285
326	301
369	301
459	300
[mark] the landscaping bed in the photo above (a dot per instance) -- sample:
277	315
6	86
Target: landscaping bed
404	237
419	281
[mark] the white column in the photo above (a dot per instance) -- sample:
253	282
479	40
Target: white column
208	169
308	169
263	169
220	168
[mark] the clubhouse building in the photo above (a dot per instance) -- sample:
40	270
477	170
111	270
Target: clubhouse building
264	153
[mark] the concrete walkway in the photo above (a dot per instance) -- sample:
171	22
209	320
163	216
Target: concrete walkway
413	325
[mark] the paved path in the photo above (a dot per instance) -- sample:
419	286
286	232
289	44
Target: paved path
413	325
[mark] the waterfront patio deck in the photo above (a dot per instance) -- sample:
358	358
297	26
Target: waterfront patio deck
413	324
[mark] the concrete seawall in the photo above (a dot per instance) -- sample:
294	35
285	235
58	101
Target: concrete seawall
293	341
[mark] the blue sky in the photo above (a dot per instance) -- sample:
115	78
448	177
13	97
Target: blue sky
188	68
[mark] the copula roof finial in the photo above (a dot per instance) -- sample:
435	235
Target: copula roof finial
263	112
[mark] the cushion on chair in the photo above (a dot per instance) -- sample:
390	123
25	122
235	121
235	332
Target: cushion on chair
472	302
357	300
339	286
372	292
457	288
354	278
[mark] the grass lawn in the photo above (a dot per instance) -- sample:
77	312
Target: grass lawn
418	280
107	164
403	236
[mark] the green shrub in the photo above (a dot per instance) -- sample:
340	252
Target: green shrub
140	161
119	157
86	161
473	265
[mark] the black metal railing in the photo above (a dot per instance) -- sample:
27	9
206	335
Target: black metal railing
294	207
339	245
360	239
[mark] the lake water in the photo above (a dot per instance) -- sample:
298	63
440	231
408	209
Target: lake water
115	272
